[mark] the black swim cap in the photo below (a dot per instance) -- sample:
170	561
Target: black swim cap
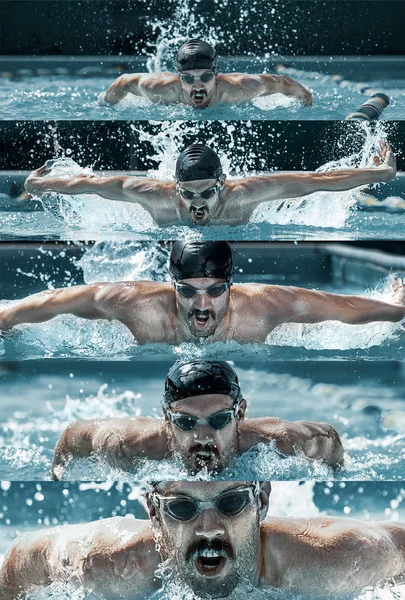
201	259
198	161
196	54
199	377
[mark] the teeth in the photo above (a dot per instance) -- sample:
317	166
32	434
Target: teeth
210	553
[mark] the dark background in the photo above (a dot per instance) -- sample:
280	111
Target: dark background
260	145
244	27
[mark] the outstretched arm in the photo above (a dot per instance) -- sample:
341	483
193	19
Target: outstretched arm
94	301
146	191
281	186
337	555
298	305
118	441
317	441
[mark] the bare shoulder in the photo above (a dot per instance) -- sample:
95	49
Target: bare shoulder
163	87
230	80
130	291
322	531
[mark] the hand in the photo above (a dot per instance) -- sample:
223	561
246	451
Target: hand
32	183
397	289
306	97
385	159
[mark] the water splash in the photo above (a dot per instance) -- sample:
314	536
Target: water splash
321	209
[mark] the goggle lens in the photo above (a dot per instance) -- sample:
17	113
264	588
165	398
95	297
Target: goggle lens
228	505
188	291
205	77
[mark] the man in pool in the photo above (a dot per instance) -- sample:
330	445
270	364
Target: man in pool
212	537
201	304
197	82
201	194
204	425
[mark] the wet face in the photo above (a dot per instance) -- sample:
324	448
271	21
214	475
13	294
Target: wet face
204	447
212	553
202	312
200	208
199	92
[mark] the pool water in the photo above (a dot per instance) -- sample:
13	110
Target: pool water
126	261
93	218
80	98
322	215
41	399
30	506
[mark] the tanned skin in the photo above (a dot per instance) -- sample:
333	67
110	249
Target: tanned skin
155	313
233	203
120	441
116	557
231	88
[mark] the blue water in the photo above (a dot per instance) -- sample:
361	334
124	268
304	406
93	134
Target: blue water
30	506
120	222
77	98
40	400
72	337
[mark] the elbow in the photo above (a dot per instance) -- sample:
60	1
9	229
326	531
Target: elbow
335	452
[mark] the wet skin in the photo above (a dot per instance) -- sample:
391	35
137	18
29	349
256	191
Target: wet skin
231	88
211	552
155	312
120	441
232	204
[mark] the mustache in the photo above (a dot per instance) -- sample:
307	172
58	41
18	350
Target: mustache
197	312
205	448
220	546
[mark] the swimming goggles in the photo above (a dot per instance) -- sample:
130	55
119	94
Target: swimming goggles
205	194
217	420
227	504
189	291
188	78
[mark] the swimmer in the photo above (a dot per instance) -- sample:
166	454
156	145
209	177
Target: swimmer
197	82
212	537
204	425
201	304
201	194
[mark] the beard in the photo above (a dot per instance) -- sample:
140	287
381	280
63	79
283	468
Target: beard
204	323
184	568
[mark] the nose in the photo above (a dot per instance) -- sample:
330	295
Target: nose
203	435
203	301
210	525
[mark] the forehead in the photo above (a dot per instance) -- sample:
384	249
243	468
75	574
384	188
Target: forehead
199	489
198	185
201	283
199	406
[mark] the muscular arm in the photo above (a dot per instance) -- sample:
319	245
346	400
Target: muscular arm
157	87
151	194
240	87
117	441
335	555
112	557
281	186
317	441
298	305
94	301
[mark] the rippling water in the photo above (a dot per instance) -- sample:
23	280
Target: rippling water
368	414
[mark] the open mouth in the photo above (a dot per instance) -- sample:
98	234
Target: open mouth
198	214
198	96
202	318
209	562
204	457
